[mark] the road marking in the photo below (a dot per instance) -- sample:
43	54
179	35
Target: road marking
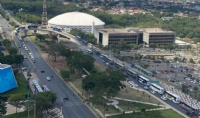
70	104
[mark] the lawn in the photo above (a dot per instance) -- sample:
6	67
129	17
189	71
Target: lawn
134	94
133	106
109	109
21	115
169	113
99	67
21	89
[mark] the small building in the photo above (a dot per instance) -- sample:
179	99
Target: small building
137	36
7	78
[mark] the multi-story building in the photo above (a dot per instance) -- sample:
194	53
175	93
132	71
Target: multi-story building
134	35
157	36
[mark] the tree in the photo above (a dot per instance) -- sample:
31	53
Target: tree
3	108
40	37
80	61
196	88
56	49
54	38
12	51
65	73
44	100
16	100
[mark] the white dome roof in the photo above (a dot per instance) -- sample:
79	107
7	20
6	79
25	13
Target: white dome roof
75	19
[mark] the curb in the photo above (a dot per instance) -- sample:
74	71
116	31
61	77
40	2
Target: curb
62	78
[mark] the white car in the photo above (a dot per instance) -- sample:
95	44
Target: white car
153	92
24	68
163	97
195	72
29	53
26	49
48	78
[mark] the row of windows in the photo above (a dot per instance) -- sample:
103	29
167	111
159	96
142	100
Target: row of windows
118	43
161	39
161	36
161	42
123	36
122	39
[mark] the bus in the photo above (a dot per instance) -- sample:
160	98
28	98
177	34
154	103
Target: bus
191	106
89	51
173	97
45	88
119	65
32	26
103	56
143	80
155	87
108	59
57	29
37	86
131	72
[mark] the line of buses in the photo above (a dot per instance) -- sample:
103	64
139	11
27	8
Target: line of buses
153	86
39	88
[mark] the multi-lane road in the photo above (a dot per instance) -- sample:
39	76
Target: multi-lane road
74	107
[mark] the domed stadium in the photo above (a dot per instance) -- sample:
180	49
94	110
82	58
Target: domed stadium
76	20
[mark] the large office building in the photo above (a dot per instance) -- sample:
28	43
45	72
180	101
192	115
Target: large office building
76	20
134	35
7	78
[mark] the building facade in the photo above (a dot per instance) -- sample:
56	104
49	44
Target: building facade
134	35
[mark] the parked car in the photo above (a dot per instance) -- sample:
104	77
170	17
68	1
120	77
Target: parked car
163	97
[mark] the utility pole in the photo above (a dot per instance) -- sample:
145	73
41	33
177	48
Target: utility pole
35	108
44	15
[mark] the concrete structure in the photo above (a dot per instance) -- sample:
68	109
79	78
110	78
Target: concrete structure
7	78
158	36
134	35
181	43
76	20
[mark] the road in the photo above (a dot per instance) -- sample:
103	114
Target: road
74	107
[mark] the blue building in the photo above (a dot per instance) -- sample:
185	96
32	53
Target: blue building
7	78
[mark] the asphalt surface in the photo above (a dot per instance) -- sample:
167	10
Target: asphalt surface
74	107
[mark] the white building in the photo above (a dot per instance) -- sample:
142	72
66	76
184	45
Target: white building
76	20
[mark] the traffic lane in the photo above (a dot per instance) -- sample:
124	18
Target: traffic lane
170	103
85	112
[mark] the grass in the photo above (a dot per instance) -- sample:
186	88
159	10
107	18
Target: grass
99	67
133	106
169	113
134	94
21	89
22	115
109	109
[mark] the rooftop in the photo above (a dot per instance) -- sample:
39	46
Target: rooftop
2	66
156	30
134	30
113	31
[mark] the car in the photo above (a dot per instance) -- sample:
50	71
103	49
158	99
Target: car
153	92
26	49
29	53
48	78
195	72
23	68
146	87
163	97
25	57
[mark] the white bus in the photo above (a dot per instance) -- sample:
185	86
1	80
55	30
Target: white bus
143	80
131	72
108	59
89	51
103	56
37	86
157	88
173	97
119	65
